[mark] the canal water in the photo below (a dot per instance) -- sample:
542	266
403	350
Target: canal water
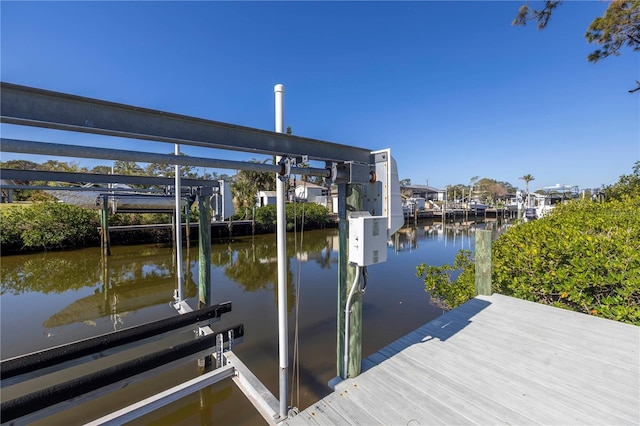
53	298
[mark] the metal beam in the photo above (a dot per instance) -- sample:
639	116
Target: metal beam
47	148
30	106
163	398
100	190
51	176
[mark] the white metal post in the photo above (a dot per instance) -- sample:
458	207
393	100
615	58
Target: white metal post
281	239
179	274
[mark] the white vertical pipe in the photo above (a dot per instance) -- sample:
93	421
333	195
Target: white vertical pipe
281	239
179	273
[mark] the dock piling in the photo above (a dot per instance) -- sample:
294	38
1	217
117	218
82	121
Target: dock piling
483	262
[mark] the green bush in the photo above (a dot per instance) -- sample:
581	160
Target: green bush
584	256
309	215
10	229
265	217
49	226
438	280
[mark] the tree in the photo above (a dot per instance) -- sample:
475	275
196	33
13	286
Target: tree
127	168
510	189
405	192
104	170
20	165
627	185
62	166
247	183
619	26
169	170
527	178
490	190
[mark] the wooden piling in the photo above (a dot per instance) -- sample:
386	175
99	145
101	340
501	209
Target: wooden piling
483	262
204	248
187	230
105	241
350	198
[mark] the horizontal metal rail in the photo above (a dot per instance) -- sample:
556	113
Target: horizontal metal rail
47	148
259	395
163	398
41	359
30	106
103	191
55	176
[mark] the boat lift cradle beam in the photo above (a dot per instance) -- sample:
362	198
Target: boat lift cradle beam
26	367
48	400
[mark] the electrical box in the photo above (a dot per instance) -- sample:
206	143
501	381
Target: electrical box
367	238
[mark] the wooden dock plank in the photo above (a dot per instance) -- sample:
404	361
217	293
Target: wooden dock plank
524	366
409	397
496	360
457	392
542	398
480	379
608	376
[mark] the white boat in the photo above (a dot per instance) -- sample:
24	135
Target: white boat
476	205
550	197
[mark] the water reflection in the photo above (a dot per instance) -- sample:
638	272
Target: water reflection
57	297
458	233
134	278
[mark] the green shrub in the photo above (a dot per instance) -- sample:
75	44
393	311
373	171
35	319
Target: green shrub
265	217
444	291
10	228
584	256
309	215
48	226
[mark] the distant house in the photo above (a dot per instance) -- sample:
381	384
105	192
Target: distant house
312	193
7	194
266	198
424	191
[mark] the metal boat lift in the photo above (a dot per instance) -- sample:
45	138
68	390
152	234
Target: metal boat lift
367	182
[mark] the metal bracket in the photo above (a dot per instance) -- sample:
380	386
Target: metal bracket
332	169
206	191
285	168
219	349
352	172
230	334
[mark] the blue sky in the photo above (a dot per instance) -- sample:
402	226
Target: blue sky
451	87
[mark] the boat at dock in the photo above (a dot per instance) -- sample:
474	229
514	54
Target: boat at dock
476	206
418	208
546	199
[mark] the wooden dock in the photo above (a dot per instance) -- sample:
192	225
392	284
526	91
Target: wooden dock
495	360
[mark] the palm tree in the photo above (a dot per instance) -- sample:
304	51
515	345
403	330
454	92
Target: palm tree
527	178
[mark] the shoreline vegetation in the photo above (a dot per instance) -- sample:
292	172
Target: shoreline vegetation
583	256
44	226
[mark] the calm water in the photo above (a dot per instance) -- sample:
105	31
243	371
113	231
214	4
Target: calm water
54	298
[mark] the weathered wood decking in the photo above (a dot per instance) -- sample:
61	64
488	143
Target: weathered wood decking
495	360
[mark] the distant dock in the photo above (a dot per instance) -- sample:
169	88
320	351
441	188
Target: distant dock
492	212
495	360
